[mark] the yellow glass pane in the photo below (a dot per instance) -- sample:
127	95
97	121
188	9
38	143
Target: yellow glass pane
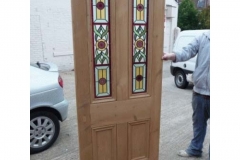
142	15
104	88
138	15
104	73
141	71
100	74
98	14
141	84
100	88
103	14
137	73
137	84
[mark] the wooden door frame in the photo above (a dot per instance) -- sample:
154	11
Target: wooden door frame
81	30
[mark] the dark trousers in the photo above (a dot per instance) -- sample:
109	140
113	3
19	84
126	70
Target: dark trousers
201	114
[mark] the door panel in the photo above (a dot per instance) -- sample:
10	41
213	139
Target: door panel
104	143
138	140
117	52
122	141
122	112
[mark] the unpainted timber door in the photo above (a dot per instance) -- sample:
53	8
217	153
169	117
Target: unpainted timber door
118	46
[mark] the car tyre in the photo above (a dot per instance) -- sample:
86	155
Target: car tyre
44	130
180	79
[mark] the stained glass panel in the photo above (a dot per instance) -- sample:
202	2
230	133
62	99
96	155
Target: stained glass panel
140	11
101	48
140	44
100	11
102	80
139	78
101	44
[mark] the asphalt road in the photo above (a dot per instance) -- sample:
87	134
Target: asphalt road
175	129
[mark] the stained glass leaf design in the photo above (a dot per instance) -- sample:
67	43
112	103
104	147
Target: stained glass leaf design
104	57
97	34
105	31
139	55
98	56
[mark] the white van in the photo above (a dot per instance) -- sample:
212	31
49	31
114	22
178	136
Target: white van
182	71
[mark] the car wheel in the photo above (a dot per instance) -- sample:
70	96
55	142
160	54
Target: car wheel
180	79
44	130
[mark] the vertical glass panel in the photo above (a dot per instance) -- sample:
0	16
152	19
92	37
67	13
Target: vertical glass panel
101	48
100	11
139	78
140	43
140	11
102	80
101	44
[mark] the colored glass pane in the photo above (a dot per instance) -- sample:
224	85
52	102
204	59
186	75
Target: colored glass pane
139	43
140	11
102	80
101	44
139	78
100	11
101	48
140	26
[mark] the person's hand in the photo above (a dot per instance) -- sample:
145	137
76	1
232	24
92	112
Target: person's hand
169	56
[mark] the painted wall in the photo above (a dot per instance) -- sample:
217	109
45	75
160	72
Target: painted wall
51	32
171	14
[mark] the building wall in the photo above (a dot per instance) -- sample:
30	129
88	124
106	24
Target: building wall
36	48
171	16
51	32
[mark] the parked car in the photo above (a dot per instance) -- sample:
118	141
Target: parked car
182	71
47	105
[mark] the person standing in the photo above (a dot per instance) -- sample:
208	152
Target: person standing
201	90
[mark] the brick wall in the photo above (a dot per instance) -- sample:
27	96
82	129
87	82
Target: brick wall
51	32
36	49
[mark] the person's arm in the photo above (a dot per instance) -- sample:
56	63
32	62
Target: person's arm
169	56
186	53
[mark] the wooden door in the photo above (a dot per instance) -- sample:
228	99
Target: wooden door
118	46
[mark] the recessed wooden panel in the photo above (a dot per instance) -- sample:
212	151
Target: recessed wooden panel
122	136
138	140
104	143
